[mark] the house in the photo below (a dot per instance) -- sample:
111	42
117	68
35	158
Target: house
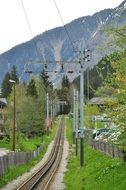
3	103
102	101
99	101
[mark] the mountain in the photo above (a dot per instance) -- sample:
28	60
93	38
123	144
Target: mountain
57	44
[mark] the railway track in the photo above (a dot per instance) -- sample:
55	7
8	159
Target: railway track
42	178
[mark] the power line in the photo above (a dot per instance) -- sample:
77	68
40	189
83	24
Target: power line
64	26
34	42
27	18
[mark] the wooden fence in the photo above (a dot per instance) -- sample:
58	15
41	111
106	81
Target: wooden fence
17	158
109	149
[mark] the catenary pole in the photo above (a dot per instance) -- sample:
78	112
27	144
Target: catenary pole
76	135
81	111
74	116
51	112
47	116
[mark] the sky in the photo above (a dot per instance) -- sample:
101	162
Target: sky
42	15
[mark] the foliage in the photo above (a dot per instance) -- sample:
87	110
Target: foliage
90	111
117	80
99	171
13	74
5	143
30	113
16	171
65	82
95	77
64	94
6	85
45	80
104	91
31	89
117	36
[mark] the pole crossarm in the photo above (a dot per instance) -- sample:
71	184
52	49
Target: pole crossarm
49	61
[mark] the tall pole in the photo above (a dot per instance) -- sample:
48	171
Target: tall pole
88	94
76	125
14	114
51	113
47	116
85	58
53	110
74	116
62	107
81	111
14	118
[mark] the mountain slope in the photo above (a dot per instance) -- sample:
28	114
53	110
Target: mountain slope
55	44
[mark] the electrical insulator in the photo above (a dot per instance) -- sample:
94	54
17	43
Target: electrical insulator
45	65
88	57
86	50
62	67
29	72
70	72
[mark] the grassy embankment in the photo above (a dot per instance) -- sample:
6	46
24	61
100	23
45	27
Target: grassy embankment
25	144
99	173
14	172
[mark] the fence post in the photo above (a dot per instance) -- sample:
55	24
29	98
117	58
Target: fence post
124	155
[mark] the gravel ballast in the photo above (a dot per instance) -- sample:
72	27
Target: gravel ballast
57	183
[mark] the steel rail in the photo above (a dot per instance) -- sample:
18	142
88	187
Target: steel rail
42	178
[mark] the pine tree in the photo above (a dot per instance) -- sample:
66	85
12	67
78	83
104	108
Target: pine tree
31	89
45	78
64	93
65	82
13	74
6	86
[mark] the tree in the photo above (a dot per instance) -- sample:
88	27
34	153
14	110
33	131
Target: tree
6	86
117	36
13	74
31	89
45	80
64	94
119	81
30	112
65	82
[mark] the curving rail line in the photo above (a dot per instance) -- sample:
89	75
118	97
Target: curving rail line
42	178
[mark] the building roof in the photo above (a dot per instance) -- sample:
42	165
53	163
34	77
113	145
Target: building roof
3	101
99	100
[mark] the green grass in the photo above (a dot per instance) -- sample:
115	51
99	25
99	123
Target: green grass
99	173
4	143
89	111
24	144
14	172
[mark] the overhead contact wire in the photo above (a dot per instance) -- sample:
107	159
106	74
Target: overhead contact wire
64	26
29	26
